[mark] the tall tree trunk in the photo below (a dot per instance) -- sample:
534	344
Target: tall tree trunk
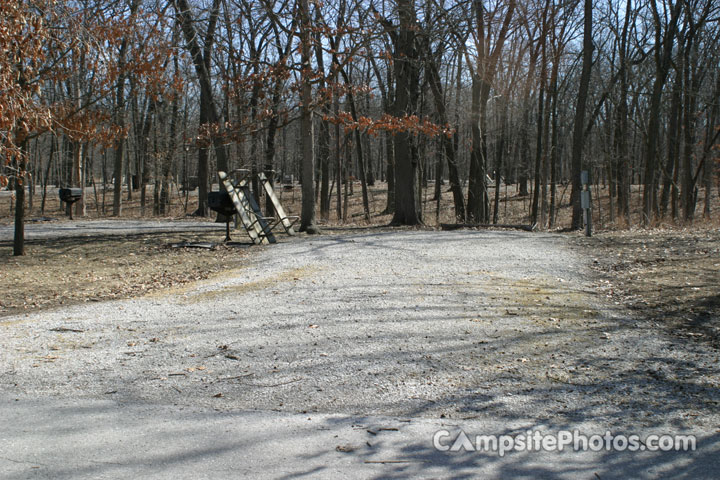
387	101
539	139
663	56
621	126
553	148
689	186
358	147
407	78
390	172
324	159
478	207
711	135
499	154
578	131
673	146
448	146
142	147
169	157
46	177
523	148
324	140
77	177
19	233
307	214
477	201
339	174
554	134
208	111
119	143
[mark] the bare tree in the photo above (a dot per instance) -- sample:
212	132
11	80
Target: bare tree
665	33
201	60
483	75
307	215
578	141
407	78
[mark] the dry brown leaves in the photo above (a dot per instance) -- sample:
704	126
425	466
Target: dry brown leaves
669	276
77	270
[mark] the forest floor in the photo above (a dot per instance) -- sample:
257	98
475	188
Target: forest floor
65	271
669	276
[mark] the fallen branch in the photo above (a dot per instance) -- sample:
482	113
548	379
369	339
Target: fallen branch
237	377
204	245
66	329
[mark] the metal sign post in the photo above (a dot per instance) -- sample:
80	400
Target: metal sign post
586	202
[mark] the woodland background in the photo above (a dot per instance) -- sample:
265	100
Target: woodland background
486	102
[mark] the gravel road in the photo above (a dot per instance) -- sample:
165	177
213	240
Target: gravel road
466	326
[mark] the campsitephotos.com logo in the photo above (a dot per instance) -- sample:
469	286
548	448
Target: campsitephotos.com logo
533	440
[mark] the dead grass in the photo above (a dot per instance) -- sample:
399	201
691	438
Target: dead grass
671	277
77	270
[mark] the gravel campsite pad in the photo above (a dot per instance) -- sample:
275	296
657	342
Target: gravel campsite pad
458	325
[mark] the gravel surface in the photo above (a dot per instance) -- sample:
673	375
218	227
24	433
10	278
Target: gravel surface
461	325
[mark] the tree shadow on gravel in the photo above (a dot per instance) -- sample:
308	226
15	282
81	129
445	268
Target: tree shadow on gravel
438	238
468	372
107	440
415	458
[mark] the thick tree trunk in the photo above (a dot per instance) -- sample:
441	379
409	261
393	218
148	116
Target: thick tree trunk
407	79
579	128
477	201
307	214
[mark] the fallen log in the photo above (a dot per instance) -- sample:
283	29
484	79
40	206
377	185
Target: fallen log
204	245
457	226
